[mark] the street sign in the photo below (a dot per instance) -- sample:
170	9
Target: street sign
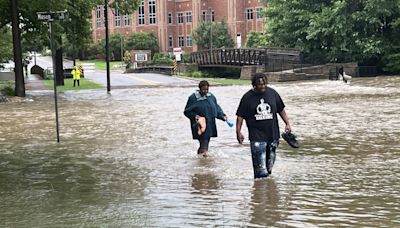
52	15
49	17
177	52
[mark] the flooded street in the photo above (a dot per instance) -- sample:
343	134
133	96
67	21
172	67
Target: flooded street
128	160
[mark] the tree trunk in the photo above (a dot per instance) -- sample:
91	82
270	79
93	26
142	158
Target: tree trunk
19	76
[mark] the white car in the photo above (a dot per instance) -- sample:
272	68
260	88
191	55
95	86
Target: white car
7	66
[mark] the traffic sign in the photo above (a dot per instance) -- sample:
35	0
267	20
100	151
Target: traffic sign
52	15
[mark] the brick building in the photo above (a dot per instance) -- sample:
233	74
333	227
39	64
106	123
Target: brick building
174	20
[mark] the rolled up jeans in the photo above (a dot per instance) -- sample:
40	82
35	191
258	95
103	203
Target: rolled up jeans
263	156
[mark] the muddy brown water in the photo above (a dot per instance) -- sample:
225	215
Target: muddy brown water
126	159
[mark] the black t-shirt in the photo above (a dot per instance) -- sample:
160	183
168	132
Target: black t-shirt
260	112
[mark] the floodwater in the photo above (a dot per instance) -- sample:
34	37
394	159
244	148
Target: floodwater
126	159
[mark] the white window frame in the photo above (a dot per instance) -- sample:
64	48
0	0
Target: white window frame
188	16
170	18
98	16
152	12
188	41
141	20
170	41
180	18
127	20
259	15
249	14
117	18
181	41
204	15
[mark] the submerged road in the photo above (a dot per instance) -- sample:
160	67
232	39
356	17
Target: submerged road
118	79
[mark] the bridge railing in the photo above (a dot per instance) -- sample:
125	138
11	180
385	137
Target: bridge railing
229	56
246	56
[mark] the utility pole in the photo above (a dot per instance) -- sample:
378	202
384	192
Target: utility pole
19	76
107	44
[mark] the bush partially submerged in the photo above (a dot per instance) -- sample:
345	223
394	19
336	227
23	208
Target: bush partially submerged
7	88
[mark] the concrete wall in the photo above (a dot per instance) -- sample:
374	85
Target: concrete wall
248	71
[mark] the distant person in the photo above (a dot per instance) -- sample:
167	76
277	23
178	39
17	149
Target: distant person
343	76
76	75
259	107
202	109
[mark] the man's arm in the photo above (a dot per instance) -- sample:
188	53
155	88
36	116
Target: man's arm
239	135
286	120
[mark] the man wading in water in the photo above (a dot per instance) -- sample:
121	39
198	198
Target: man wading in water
259	107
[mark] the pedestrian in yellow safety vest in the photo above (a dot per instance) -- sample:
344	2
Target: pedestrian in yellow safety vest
76	75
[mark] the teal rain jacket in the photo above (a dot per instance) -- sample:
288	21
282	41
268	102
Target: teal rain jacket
207	107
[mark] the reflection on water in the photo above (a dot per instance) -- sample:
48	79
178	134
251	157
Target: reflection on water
127	159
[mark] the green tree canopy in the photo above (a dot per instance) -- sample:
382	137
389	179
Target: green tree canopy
219	32
5	44
255	40
142	41
338	30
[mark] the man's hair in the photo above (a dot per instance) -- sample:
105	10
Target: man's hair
256	77
203	83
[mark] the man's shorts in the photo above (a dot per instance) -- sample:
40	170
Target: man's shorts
263	156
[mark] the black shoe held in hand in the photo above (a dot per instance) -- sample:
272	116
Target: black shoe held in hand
290	139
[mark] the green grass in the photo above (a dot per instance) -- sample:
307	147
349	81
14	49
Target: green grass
222	81
100	64
68	85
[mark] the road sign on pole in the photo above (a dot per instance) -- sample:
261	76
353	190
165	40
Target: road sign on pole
177	52
49	17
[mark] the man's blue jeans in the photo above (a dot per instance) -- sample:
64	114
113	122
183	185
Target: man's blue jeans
263	155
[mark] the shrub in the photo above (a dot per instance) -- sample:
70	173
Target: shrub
197	74
160	58
8	89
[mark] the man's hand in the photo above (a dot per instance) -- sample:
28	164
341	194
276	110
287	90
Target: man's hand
225	118
288	129
239	137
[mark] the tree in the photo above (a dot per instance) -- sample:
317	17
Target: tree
142	41
218	31
340	30
255	40
5	44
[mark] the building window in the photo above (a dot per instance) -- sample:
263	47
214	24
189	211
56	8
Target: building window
213	16
180	18
259	14
169	18
98	16
170	41
117	18
180	41
127	20
152	12
188	17
249	14
204	15
141	14
188	41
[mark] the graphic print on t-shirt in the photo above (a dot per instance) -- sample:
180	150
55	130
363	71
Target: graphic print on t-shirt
263	111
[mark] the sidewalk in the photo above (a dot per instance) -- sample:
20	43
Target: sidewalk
34	82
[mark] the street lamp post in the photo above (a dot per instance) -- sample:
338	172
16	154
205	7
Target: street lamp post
211	38
107	45
122	51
